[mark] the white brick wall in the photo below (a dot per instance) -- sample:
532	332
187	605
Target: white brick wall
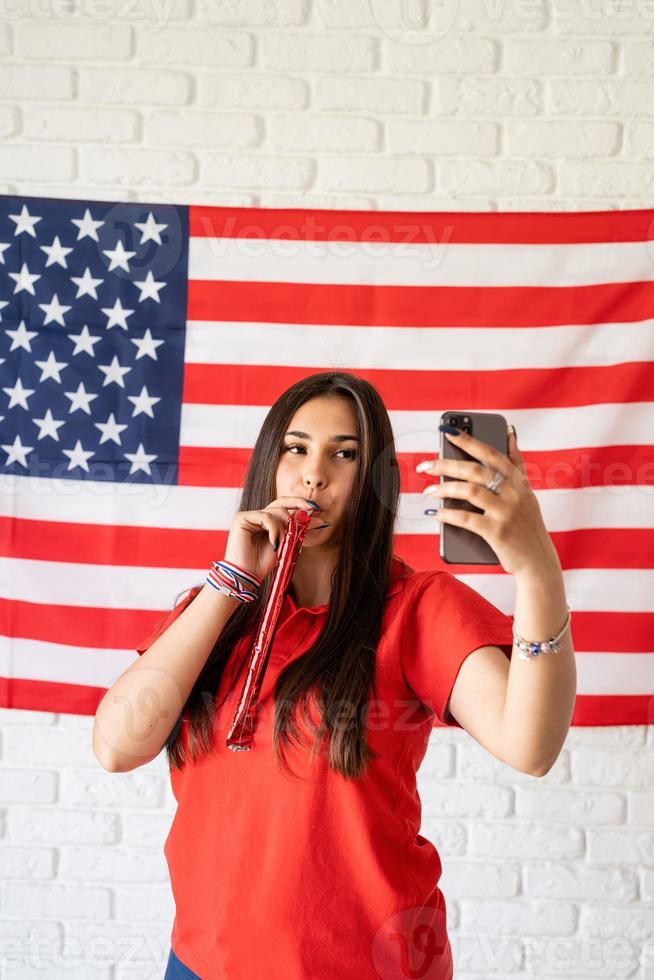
491	105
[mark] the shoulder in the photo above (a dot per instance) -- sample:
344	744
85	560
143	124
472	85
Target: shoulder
437	602
435	582
404	577
414	582
431	596
417	592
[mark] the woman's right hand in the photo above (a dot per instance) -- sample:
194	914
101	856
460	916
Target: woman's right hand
253	533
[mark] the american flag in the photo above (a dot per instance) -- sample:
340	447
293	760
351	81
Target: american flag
141	346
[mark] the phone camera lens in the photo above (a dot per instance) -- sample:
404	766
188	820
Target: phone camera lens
462	423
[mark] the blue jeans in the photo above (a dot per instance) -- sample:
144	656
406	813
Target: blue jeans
175	969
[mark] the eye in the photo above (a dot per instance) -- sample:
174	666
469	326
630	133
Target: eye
296	445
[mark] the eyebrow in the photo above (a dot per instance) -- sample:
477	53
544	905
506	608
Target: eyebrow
305	435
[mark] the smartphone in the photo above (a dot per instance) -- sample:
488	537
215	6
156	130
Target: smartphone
459	545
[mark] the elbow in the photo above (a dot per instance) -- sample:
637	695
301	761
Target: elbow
543	768
109	765
114	764
529	767
117	762
108	762
107	759
120	762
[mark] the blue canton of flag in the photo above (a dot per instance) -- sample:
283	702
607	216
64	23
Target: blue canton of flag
93	322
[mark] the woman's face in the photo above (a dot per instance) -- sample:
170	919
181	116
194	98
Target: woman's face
318	465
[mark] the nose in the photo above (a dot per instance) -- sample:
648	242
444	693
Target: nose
314	476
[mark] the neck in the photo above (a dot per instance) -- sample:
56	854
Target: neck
311	581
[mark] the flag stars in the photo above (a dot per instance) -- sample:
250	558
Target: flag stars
150	230
119	257
110	430
21	337
78	456
51	368
24	222
113	373
48	426
149	287
147	345
86	284
80	399
143	403
117	315
140	460
24	280
56	253
68	274
84	341
18	395
87	227
16	452
54	311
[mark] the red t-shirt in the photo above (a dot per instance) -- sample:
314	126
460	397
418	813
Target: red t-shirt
325	877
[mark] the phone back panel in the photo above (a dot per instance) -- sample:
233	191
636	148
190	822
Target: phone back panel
458	545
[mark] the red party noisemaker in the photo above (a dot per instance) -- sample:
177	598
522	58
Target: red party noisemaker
239	736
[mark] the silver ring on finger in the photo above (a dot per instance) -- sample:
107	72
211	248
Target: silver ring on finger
495	482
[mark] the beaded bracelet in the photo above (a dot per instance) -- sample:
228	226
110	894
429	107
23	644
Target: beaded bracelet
233	581
528	649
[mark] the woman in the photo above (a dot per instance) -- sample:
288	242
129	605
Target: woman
302	858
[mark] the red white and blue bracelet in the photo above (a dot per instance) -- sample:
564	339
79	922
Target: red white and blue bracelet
233	581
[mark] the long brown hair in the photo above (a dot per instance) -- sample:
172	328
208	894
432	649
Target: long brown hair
340	666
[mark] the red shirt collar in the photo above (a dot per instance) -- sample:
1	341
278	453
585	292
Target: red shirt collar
398	566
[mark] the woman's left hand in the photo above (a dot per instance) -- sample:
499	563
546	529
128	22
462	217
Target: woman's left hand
511	521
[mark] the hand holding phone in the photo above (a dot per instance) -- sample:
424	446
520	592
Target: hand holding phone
459	545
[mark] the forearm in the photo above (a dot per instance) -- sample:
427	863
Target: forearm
139	711
540	694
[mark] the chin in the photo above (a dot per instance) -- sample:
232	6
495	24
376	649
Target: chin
317	536
313	536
